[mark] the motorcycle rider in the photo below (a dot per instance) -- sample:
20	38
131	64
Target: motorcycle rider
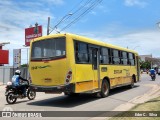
152	72
16	81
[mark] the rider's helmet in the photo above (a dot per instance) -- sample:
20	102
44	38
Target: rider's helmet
17	72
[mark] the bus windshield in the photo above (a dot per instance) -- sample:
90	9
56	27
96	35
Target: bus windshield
48	49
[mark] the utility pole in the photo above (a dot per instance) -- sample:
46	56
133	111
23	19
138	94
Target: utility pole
48	25
55	27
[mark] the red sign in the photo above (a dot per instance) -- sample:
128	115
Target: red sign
4	55
31	33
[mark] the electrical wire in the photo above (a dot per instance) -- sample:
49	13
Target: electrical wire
69	12
83	9
79	10
86	11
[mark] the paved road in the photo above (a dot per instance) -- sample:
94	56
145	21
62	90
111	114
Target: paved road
52	102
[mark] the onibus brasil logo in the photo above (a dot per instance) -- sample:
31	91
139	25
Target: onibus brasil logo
7	112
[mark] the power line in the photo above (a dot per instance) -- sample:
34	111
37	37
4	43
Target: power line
80	10
79	3
81	15
76	5
86	11
83	8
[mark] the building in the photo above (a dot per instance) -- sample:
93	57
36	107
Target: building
4	54
155	62
143	57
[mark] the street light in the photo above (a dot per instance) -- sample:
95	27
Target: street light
27	51
55	27
62	20
27	48
135	47
4	43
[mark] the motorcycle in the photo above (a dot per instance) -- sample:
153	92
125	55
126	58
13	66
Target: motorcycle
12	93
153	77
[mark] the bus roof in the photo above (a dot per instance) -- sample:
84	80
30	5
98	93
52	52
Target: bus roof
85	39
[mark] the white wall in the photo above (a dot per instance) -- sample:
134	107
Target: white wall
4	74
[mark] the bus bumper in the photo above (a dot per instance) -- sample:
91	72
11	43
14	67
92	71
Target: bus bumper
54	89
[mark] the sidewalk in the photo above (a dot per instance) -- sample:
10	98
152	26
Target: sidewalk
150	111
153	93
1	83
2	87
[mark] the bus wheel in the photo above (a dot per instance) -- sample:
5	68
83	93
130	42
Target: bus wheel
132	83
105	89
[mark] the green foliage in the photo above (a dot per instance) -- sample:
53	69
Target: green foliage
144	64
152	106
24	65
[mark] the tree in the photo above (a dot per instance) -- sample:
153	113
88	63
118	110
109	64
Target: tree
145	64
24	65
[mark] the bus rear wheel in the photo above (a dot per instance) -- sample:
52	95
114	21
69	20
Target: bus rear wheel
132	82
105	89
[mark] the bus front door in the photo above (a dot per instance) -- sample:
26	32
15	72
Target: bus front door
95	68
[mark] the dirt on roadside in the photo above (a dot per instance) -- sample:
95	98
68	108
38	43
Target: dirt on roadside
151	94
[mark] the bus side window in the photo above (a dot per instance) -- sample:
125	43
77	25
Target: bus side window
104	56
128	61
131	59
124	58
76	51
110	56
81	52
100	56
90	55
116	59
120	57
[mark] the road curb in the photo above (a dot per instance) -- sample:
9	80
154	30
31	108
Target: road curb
151	94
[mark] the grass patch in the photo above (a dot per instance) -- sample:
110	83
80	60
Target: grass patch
151	105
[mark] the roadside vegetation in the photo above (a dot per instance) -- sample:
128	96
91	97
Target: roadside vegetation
151	106
145	65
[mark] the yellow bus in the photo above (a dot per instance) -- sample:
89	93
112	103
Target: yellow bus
75	64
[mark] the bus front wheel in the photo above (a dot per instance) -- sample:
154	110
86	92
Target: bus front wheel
105	89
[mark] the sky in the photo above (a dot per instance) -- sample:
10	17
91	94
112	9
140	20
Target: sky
126	23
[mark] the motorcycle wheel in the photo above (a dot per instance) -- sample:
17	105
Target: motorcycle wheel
31	94
10	98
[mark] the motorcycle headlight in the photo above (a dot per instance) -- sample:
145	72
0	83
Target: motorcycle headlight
9	83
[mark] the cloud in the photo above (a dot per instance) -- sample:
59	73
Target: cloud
15	17
139	3
93	13
55	2
144	42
